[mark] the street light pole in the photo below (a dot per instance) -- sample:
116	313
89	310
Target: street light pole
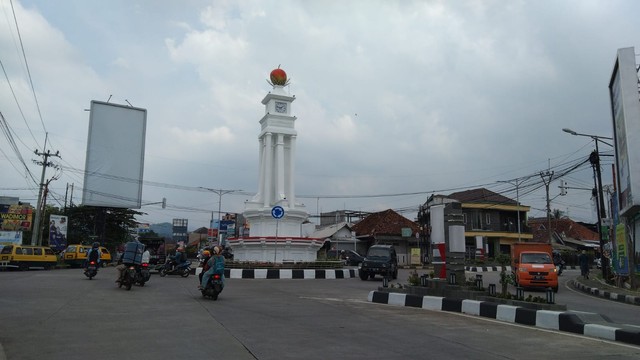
220	192
594	158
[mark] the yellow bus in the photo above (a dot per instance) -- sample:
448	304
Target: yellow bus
25	257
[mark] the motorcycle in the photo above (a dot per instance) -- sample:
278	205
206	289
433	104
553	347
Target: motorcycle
128	278
91	270
183	269
142	274
214	287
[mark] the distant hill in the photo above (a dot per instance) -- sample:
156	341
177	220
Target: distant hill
163	229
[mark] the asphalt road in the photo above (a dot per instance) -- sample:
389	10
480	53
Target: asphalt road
62	315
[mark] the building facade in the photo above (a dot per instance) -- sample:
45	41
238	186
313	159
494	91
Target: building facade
492	222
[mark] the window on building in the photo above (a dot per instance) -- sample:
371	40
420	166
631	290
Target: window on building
477	220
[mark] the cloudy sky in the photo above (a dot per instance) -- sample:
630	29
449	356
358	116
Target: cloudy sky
395	100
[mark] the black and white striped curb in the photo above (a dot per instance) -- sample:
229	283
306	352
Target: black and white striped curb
545	319
286	273
610	295
486	268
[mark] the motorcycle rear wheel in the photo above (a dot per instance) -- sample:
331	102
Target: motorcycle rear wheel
185	273
163	272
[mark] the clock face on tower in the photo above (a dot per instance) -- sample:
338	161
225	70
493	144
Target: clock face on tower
281	107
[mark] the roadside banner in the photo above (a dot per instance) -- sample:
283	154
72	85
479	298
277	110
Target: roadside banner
58	232
415	256
10	237
621	252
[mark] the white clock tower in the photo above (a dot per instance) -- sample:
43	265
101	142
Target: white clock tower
274	239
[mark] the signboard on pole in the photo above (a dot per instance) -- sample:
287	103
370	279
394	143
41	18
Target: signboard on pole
277	212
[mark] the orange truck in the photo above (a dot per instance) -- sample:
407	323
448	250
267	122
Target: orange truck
532	264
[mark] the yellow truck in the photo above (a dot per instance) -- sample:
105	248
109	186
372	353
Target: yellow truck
532	265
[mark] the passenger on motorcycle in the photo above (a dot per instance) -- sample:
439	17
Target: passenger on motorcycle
93	254
213	265
205	255
146	256
120	267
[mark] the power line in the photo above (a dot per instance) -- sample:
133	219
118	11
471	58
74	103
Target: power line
24	56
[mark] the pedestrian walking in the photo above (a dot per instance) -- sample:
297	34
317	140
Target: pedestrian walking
583	260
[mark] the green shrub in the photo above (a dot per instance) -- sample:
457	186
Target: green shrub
414	278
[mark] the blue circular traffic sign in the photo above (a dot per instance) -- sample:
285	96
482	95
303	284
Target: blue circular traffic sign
277	212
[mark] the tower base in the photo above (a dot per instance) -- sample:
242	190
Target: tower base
275	250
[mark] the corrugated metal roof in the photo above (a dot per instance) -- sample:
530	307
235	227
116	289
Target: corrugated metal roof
330	230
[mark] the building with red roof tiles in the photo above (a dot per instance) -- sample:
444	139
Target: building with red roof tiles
389	228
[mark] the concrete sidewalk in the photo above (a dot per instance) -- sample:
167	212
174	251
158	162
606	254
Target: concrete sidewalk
597	287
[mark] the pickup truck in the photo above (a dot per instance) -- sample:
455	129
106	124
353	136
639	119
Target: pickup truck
532	264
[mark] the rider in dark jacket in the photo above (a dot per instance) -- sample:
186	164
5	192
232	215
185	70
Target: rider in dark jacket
93	254
178	258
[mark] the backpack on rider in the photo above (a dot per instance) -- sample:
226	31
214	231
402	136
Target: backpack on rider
94	253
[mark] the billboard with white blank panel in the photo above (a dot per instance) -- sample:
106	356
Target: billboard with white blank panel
115	156
625	109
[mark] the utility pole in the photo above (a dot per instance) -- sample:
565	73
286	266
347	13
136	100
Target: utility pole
594	158
36	233
546	186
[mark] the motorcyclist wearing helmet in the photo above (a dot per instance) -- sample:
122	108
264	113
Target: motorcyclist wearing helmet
178	258
93	254
211	267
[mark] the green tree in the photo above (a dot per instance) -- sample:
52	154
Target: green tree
558	214
87	223
505	279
